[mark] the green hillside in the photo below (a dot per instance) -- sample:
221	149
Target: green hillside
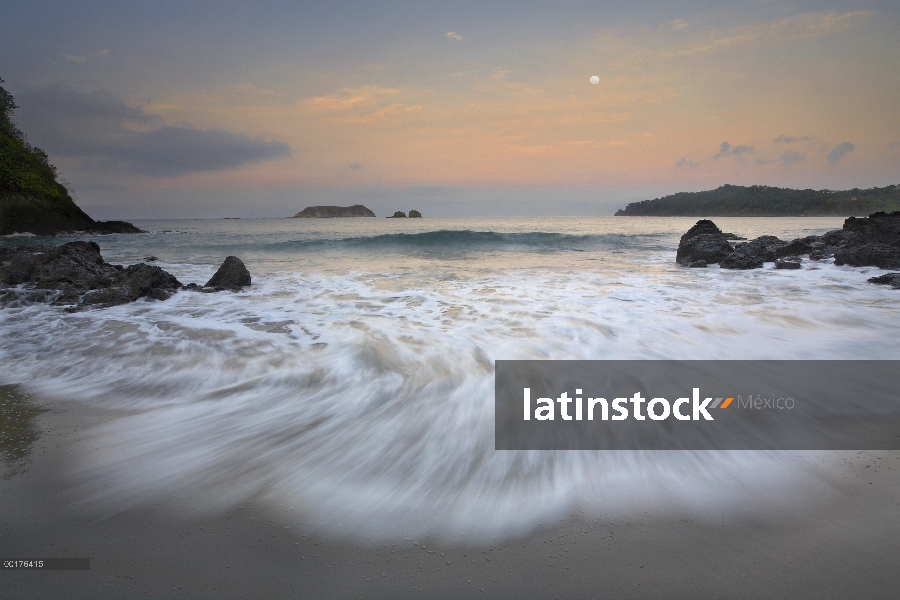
31	199
765	201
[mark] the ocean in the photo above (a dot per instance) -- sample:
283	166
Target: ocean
351	387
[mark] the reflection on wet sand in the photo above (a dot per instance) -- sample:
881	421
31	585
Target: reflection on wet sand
18	430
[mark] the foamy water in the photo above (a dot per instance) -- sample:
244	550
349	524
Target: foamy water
353	381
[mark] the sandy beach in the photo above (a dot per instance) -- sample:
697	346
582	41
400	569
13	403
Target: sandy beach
836	545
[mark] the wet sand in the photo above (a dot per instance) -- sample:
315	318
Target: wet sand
835	546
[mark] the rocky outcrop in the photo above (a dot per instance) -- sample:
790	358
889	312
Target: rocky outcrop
398	215
232	275
704	241
328	212
872	241
414	214
891	279
75	274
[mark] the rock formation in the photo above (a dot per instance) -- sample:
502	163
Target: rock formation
327	212
398	215
869	241
414	214
232	275
76	274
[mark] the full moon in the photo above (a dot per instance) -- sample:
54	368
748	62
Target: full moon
595	80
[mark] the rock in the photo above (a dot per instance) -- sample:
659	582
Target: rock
876	254
733	236
232	275
789	262
699	264
704	241
398	215
151	258
891	279
327	212
75	273
872	241
743	258
414	214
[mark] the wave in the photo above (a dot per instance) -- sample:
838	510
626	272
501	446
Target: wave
445	240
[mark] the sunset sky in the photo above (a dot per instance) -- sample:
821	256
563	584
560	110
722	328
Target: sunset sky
211	109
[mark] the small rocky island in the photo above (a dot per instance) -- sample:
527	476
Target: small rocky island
872	241
329	212
413	214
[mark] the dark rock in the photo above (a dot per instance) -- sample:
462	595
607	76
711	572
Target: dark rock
414	214
77	274
789	262
151	258
733	236
875	254
232	275
398	215
327	212
699	264
878	227
891	279
743	257
704	241
872	241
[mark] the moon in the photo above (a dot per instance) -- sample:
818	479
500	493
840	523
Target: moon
595	80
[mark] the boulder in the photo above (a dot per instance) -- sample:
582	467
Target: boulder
875	254
414	214
891	279
704	241
789	262
75	273
232	275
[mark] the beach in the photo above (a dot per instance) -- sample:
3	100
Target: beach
839	544
328	432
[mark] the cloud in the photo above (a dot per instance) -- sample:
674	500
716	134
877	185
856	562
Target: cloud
776	33
790	157
452	35
79	59
687	163
366	96
726	149
839	151
99	127
788	139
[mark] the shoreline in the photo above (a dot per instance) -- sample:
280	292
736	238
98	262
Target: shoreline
834	546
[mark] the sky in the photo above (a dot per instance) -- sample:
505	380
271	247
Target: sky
227	109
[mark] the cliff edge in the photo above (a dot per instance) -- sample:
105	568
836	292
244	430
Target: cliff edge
31	199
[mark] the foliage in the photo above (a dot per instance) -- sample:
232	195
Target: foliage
765	201
24	169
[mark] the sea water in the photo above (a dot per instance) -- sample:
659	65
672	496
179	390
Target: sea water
352	383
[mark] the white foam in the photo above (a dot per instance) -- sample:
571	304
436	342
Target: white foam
365	398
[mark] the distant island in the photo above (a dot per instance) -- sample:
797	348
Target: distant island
413	214
31	198
328	212
765	201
